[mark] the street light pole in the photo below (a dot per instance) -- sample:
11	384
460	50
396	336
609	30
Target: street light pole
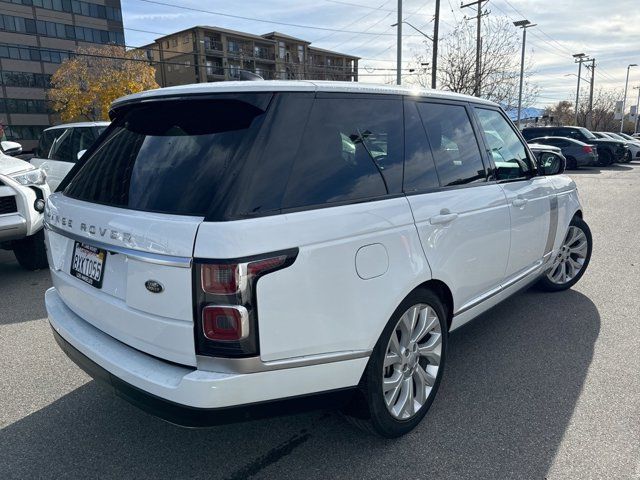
524	24
624	99
399	46
635	125
420	32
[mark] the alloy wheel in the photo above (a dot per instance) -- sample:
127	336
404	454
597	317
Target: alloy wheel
571	257
412	361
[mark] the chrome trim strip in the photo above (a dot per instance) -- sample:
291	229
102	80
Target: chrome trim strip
494	291
149	257
255	365
519	276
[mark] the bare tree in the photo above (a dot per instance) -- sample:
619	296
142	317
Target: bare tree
602	114
499	69
561	113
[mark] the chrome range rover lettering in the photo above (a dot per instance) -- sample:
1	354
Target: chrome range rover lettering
71	224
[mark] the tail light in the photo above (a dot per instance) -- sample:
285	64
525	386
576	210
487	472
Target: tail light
225	304
587	149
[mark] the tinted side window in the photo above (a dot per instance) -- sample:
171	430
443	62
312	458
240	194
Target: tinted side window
44	145
347	146
507	150
453	143
419	167
62	147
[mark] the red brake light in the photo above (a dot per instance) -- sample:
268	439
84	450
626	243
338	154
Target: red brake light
225	323
226	304
261	266
587	149
220	279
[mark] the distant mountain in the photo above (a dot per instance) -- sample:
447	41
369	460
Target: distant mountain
530	112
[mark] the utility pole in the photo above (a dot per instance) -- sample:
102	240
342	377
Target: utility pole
579	58
524	24
590	113
399	46
624	99
434	59
478	17
635	125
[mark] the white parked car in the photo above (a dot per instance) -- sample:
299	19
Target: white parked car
233	247
61	146
23	191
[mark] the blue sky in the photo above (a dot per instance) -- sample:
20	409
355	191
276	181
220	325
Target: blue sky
608	31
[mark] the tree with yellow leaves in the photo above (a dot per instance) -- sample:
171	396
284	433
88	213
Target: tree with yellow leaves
85	85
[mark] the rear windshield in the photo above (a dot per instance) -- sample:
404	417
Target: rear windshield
170	156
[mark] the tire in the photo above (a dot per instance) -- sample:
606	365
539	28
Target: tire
627	157
572	163
576	250
30	252
369	410
605	159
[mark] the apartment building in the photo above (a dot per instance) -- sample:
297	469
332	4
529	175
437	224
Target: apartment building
210	54
35	37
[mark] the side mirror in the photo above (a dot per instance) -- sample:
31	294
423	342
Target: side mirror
550	163
80	153
11	148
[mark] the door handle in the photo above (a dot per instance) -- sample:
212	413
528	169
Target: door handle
519	201
445	217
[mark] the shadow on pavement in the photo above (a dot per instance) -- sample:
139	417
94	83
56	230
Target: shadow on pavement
511	383
21	291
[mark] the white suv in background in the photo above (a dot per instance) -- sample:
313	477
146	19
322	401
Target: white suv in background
22	194
233	248
61	146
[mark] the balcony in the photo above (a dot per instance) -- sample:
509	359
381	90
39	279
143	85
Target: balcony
263	54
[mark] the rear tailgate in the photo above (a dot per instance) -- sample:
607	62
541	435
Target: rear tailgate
139	247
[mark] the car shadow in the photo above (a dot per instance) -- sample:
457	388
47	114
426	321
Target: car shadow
596	169
511	383
21	291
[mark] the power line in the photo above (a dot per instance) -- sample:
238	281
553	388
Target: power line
360	5
255	19
356	21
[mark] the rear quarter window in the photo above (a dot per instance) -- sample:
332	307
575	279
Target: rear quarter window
351	150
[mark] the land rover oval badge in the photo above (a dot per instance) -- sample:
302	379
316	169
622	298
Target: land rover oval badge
153	286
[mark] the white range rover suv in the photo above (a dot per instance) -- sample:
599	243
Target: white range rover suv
23	191
226	251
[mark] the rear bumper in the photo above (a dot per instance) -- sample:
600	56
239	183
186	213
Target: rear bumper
191	397
201	417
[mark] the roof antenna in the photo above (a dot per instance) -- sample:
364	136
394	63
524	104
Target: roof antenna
250	76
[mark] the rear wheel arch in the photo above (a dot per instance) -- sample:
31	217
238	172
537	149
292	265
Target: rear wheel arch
443	292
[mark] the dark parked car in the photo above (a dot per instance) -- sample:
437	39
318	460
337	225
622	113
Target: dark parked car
632	143
577	153
609	151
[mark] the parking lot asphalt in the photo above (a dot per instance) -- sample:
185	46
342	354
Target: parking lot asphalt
543	386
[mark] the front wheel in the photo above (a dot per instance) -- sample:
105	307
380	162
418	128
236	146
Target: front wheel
605	159
30	252
405	368
572	163
572	259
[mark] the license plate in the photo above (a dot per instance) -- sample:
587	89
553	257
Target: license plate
87	264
